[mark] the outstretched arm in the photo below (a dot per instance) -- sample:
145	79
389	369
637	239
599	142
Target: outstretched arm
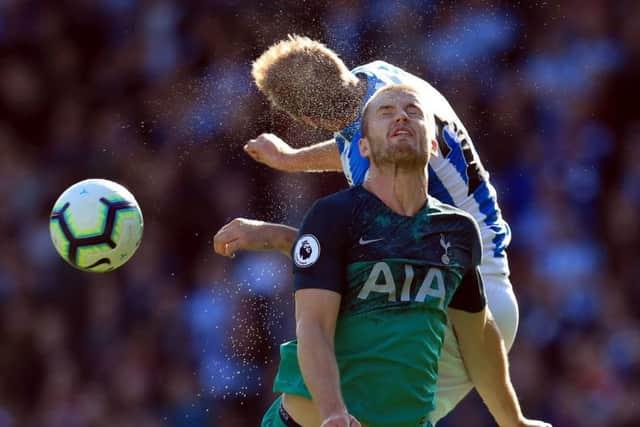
485	358
316	316
252	235
277	154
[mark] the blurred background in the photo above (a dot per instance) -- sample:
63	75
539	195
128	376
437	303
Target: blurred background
157	95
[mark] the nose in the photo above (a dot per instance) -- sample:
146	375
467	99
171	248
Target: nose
402	116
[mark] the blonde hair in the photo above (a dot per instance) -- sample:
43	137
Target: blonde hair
304	78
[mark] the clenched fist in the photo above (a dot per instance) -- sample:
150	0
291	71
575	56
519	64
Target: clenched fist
253	235
270	150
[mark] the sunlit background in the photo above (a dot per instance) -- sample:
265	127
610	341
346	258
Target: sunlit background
157	95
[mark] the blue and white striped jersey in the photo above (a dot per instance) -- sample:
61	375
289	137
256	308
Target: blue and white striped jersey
456	175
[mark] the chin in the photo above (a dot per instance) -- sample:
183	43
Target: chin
406	148
409	159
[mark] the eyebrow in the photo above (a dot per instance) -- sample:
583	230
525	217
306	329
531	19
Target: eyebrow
391	107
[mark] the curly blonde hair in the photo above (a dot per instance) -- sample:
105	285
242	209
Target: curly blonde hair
304	78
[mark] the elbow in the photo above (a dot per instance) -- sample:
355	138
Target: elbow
306	329
492	332
311	334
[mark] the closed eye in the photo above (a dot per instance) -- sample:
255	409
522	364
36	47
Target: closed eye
385	110
414	110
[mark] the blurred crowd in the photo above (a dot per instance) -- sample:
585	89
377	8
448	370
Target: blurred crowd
157	95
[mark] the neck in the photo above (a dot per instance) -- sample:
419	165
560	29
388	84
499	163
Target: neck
404	191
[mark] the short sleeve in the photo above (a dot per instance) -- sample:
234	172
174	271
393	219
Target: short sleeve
476	243
470	295
319	253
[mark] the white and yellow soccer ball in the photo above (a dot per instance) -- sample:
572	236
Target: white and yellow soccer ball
96	225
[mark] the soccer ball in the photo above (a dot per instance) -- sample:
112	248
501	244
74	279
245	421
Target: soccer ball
96	225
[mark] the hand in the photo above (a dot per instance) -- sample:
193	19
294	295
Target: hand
270	150
241	234
340	420
533	423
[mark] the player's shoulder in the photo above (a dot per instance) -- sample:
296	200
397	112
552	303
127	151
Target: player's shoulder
464	220
382	70
341	201
373	65
458	223
438	207
327	223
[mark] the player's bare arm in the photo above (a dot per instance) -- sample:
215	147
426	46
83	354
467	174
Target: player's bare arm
272	151
253	235
316	316
485	358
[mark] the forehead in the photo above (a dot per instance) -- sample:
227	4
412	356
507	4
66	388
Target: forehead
395	97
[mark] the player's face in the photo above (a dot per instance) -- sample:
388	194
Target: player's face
396	130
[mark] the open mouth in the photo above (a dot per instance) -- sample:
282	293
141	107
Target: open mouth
400	131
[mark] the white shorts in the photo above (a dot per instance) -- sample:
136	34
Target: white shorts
453	381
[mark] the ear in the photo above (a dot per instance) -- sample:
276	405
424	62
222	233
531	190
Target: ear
434	148
365	149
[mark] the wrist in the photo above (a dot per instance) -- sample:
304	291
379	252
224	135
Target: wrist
337	412
516	421
285	159
281	238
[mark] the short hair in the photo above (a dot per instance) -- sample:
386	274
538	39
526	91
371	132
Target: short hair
430	123
304	78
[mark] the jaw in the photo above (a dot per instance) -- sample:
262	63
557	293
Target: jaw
402	158
404	145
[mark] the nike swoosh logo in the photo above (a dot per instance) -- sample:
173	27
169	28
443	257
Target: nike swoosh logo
366	242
